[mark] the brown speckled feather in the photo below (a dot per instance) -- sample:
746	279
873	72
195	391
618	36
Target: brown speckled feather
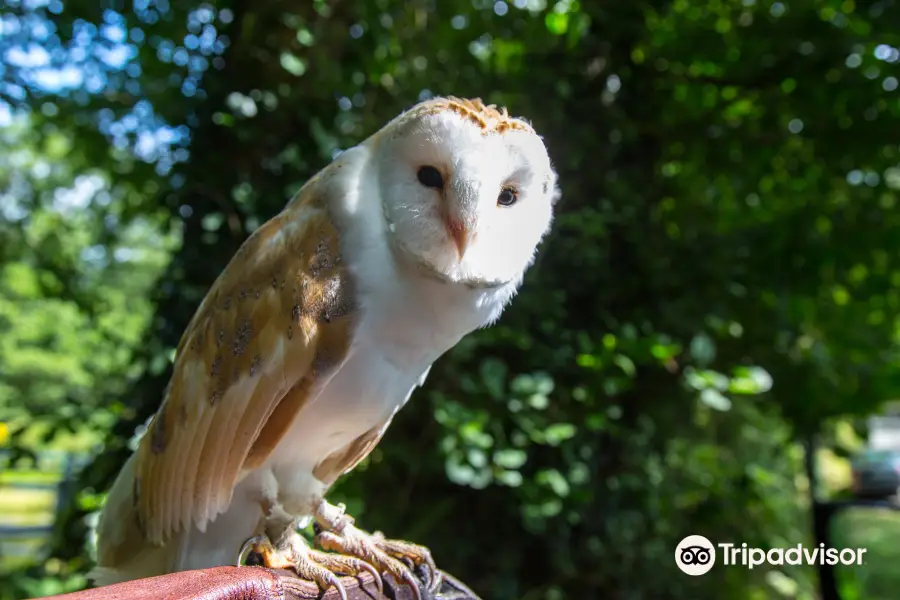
487	117
280	313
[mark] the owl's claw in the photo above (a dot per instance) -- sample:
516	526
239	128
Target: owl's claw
418	556
250	547
337	533
312	565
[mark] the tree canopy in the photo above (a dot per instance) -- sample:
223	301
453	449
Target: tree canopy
721	280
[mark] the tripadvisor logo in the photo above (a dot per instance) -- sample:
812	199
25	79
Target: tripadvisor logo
696	555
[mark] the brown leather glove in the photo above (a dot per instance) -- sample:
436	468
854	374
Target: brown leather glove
257	583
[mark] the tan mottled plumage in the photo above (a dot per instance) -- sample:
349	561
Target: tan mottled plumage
296	296
277	317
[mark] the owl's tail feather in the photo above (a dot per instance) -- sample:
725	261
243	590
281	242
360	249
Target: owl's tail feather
123	554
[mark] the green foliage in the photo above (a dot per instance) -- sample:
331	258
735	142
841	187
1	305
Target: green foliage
875	530
722	277
73	293
75	278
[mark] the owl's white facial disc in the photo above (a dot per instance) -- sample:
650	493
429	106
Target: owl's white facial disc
468	192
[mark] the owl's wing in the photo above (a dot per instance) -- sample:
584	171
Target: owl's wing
346	459
281	314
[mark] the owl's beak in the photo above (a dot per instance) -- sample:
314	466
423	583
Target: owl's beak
460	234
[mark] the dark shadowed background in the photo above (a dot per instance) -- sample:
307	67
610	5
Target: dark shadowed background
723	278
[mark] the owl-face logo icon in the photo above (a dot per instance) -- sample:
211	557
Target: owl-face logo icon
695	555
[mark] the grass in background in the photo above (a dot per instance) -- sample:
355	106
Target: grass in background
877	530
25	506
28	498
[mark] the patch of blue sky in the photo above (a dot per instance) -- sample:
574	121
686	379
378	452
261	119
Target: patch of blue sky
30	46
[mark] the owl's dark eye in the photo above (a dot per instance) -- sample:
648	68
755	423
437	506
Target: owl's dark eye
430	177
507	197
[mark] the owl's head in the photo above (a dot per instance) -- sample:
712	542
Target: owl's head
467	191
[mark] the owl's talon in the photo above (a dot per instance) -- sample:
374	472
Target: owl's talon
434	580
409	579
387	556
322	568
332	580
255	545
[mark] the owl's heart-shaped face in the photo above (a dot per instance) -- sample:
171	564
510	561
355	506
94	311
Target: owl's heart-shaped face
467	190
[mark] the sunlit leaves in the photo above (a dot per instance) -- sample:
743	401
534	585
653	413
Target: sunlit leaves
557	22
750	380
293	64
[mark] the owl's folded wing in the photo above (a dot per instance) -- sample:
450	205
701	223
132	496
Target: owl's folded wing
278	316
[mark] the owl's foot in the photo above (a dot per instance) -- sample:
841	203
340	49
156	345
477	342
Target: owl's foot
322	568
335	531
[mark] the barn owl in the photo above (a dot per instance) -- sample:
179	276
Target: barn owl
315	335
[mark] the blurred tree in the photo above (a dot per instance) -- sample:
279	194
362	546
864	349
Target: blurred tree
74	281
722	277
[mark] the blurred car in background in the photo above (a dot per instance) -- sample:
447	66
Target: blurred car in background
876	474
